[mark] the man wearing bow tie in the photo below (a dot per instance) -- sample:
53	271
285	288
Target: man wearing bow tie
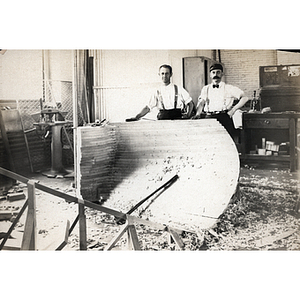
217	100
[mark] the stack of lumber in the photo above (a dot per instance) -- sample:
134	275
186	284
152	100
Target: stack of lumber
146	154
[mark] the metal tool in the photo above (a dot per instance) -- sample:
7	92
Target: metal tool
122	220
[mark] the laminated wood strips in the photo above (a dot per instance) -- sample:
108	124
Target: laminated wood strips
122	163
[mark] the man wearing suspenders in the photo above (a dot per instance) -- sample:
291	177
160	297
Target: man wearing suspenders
172	101
217	100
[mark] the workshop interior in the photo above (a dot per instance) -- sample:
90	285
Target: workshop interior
63	117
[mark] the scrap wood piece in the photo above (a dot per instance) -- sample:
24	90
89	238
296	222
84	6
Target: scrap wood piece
5	215
175	236
271	239
212	232
15	196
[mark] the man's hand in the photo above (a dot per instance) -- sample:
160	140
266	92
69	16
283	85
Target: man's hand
132	119
231	112
196	117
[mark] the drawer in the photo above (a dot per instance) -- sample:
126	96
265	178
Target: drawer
266	123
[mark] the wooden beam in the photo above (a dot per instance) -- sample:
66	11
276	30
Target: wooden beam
10	248
82	226
29	237
13	175
73	224
133	238
66	197
175	236
5	215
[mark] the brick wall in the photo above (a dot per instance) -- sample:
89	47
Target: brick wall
242	67
288	58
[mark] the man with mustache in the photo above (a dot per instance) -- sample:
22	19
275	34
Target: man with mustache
217	100
172	101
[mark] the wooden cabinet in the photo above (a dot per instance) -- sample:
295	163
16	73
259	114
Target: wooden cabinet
196	74
279	128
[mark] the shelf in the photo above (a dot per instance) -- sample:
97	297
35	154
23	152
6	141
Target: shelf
266	157
276	127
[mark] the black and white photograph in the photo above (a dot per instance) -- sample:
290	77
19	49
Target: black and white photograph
163	150
150	158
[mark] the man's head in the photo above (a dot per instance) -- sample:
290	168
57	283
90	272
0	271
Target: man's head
165	73
216	73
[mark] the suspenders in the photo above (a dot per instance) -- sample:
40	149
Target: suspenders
175	98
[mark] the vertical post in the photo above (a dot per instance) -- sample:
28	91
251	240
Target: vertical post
75	113
29	237
82	226
292	133
129	240
56	149
132	238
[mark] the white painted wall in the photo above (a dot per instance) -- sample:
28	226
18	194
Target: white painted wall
21	75
21	72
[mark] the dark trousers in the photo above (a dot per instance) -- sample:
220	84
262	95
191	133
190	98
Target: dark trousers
226	121
169	114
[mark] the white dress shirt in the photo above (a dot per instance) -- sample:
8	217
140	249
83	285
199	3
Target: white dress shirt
168	96
218	99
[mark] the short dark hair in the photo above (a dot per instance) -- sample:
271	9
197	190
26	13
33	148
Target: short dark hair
166	66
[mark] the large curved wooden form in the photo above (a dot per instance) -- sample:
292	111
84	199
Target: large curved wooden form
123	163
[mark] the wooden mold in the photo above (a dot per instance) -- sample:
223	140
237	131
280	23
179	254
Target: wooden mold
121	163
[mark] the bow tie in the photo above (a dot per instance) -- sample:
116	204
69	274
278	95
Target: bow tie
215	86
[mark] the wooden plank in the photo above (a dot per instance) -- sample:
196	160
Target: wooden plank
129	239
113	242
269	240
134	242
13	175
73	224
176	238
82	226
29	237
15	196
5	215
293	142
27	242
11	248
